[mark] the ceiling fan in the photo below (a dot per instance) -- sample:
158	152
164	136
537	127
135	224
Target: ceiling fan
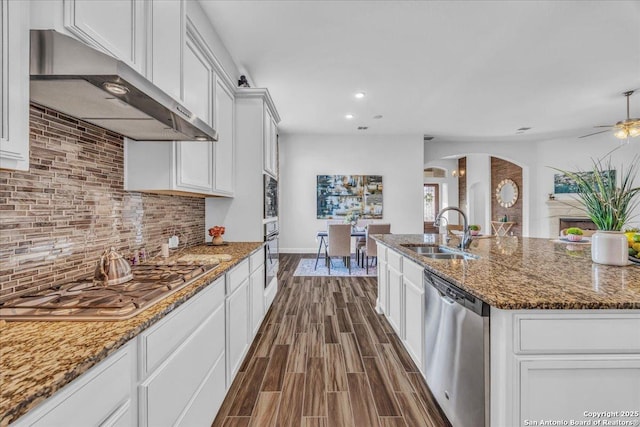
624	129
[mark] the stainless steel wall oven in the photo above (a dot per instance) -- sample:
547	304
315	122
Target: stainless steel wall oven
271	228
270	197
271	251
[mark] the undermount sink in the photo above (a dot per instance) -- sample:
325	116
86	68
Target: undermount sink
439	252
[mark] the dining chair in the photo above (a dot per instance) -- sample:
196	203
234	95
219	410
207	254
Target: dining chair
371	249
339	244
361	241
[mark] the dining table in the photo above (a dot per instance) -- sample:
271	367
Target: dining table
322	236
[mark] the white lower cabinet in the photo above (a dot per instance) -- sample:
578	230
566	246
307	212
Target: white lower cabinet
101	396
237	325
560	365
414	311
175	373
256	284
270	293
382	305
394	278
172	392
208	399
564	388
167	395
401	299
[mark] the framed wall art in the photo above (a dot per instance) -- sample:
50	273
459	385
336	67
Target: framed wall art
562	184
349	197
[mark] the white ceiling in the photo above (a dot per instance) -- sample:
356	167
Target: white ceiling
457	70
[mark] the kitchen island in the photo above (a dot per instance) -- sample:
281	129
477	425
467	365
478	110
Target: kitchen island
564	333
38	358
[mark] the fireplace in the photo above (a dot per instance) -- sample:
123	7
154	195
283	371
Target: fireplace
570	211
583	223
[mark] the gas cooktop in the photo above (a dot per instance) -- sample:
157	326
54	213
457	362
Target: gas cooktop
86	299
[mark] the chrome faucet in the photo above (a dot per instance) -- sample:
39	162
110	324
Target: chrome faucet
466	233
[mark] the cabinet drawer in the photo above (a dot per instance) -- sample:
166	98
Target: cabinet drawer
413	272
577	334
235	277
204	407
160	340
95	397
394	259
257	259
166	394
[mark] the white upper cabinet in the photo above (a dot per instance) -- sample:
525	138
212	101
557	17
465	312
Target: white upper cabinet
115	26
270	142
14	85
194	160
182	64
156	38
224	148
198	80
165	46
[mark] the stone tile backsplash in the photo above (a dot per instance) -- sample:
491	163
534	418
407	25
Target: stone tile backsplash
57	218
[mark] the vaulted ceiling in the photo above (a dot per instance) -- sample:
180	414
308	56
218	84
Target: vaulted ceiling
456	70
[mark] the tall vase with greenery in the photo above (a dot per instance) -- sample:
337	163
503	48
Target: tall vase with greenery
609	206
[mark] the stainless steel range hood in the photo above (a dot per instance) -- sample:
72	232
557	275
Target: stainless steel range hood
71	77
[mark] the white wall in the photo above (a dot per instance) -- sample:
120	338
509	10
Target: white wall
302	157
537	160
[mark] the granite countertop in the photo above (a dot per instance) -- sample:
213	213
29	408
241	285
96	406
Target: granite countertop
529	273
39	358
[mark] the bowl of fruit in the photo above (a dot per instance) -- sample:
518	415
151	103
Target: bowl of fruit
633	237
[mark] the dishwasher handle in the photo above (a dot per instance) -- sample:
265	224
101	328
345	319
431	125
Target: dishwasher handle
451	292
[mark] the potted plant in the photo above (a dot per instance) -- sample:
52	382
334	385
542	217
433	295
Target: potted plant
608	206
474	229
574	234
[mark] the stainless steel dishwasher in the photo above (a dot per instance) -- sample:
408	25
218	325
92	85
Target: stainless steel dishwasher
457	352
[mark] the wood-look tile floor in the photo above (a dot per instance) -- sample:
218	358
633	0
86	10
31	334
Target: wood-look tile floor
324	357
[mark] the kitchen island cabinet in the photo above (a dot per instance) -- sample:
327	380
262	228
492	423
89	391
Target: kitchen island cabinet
401	299
564	333
394	284
177	344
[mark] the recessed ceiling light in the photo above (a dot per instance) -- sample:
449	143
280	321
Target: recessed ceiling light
379	116
349	116
115	88
359	95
